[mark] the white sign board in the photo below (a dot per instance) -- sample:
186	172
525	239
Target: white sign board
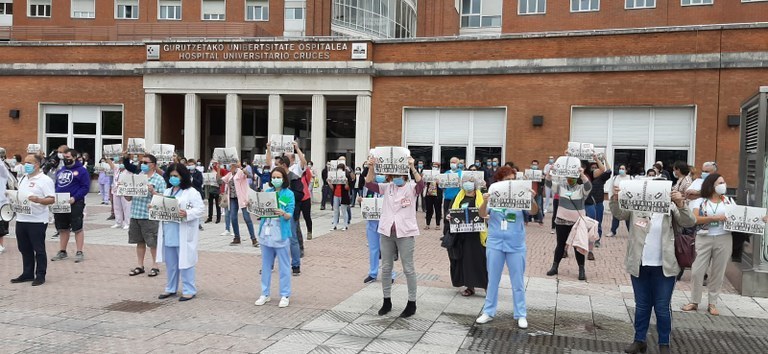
136	146
334	164
132	185
337	177
163	208
745	219
61	205
510	194
113	150
449	180
261	160
20	203
645	196
466	220
163	152
520	176
33	148
474	176
391	160
371	208
534	175
281	144
210	179
430	176
566	166
600	152
583	151
225	156
262	204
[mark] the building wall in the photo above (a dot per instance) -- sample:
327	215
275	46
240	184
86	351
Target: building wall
437	18
319	13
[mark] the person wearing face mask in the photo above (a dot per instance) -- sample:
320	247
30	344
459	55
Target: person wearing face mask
693	192
178	240
143	232
433	200
461	166
274	236
355	191
197	182
73	178
420	199
682	173
595	202
236	187
214	194
326	191
450	193
105	181
615	183
549	201
121	205
714	244
372	234
6	179
341	199
360	184
467	256
505	244
30	227
572	195
537	187
397	229
487	173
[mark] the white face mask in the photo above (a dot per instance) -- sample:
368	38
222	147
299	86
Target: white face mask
721	189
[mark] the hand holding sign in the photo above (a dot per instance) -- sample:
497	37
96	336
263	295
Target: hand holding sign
510	194
281	144
136	146
371	208
567	167
33	149
225	156
392	160
645	196
745	219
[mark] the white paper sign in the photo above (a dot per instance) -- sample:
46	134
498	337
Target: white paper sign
745	219
520	176
260	160
371	208
430	176
391	160
534	175
337	176
163	208
645	196
33	148
475	176
262	204
225	156
281	144
102	167
466	220
210	179
510	194
113	150
136	146
600	152
566	166
132	185
583	151
163	152
20	203
449	180
61	205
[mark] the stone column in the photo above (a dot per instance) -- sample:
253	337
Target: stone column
275	114
234	117
152	119
318	131
192	126
362	129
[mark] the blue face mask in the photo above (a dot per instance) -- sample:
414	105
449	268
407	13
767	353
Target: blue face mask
488	163
191	167
29	168
454	166
495	164
534	167
121	166
421	165
468	186
704	175
622	172
277	182
461	166
380	179
174	181
144	168
398	181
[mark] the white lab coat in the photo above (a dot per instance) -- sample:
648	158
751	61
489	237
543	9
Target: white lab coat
190	200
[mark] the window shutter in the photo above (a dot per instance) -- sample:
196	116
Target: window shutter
452	127
488	128
83	6
630	126
672	127
590	126
420	126
214	7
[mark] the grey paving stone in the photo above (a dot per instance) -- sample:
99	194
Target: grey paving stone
71	324
388	346
422	348
450	328
324	325
413	324
442	339
362	330
256	331
37	320
289	347
401	335
300	336
325	349
348	342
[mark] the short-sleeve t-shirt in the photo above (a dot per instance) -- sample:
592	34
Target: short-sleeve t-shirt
41	186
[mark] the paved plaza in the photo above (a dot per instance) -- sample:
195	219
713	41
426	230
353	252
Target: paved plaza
95	307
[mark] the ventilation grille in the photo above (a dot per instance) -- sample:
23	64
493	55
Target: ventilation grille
752	129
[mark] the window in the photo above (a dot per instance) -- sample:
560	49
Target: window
83	8
294	13
257	10
214	10
696	2
480	13
169	10
585	5
6	9
127	9
86	128
529	7
39	8
640	4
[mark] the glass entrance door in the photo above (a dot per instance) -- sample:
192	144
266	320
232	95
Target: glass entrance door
633	159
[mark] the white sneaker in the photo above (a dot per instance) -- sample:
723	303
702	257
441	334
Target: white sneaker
262	300
484	319
225	233
284	302
2	249
115	226
522	323
126	227
333	228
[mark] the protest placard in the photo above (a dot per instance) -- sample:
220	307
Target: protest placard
262	204
281	144
163	152
510	194
475	176
745	219
583	151
371	208
33	148
449	180
102	167
600	153
210	179
20	203
61	205
132	185
163	208
520	176
430	176
391	160
466	220
337	176
261	160
334	164
534	175
645	196
113	150
225	156
136	146
566	166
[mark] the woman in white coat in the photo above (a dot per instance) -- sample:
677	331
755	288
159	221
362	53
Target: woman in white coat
179	239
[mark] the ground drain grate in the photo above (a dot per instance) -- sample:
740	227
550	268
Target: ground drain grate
133	306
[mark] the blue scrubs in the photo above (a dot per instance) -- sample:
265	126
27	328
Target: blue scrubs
506	244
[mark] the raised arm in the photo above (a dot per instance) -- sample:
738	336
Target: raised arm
300	154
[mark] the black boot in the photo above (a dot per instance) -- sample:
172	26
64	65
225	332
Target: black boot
410	309
664	349
386	307
553	270
582	273
637	347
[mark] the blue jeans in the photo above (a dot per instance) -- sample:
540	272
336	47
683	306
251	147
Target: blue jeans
268	255
615	225
171	258
295	247
516	264
339	208
596	211
653	290
233	208
226	219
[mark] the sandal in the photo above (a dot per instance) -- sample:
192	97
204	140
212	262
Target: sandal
713	310
153	272
467	292
136	271
690	307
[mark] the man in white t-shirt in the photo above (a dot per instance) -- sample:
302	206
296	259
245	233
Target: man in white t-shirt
620	176
693	192
548	191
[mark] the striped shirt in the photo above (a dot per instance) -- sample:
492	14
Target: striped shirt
571	205
140	205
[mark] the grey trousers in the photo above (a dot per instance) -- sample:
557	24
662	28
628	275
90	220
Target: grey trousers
714	251
389	247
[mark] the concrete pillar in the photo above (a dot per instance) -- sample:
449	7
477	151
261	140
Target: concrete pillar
318	131
362	129
152	119
192	126
275	121
234	116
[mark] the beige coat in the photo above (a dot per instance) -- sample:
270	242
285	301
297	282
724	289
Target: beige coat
637	236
